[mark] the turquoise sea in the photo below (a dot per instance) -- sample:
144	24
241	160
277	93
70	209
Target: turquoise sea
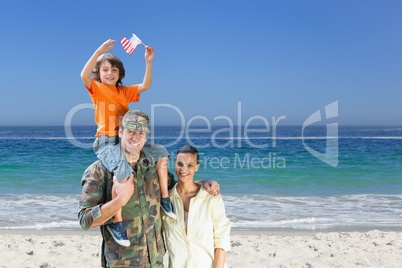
290	179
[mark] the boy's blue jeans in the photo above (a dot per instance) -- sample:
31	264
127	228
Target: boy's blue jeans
107	149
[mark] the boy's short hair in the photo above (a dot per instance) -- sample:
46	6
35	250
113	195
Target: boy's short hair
114	61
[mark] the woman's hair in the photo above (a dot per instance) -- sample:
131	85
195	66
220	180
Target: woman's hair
114	61
188	149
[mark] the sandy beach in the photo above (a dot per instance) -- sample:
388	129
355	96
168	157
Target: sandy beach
375	248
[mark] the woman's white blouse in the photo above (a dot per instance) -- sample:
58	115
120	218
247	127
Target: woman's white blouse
208	228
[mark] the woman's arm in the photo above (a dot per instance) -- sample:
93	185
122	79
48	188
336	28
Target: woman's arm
221	225
220	258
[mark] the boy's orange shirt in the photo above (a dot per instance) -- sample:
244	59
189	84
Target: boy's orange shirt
110	105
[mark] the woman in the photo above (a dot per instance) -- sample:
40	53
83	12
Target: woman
200	235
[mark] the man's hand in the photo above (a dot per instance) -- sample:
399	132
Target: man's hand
124	190
212	187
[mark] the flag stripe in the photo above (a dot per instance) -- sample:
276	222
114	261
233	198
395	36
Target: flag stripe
129	45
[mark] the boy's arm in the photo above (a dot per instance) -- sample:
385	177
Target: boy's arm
147	81
87	70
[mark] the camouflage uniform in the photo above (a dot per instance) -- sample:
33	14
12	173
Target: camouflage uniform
141	215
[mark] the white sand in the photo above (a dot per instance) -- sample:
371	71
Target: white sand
346	249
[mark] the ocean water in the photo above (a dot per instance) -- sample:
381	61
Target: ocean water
287	179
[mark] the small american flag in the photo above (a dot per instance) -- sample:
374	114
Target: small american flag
129	45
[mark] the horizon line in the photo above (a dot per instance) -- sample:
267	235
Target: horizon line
217	125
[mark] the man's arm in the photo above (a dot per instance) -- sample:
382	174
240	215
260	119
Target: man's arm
87	70
212	187
124	191
95	210
147	81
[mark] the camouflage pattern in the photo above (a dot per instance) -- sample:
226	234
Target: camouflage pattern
141	216
136	120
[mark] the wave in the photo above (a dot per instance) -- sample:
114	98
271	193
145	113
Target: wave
381	129
30	211
60	225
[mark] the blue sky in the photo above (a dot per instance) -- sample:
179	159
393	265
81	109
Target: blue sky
270	58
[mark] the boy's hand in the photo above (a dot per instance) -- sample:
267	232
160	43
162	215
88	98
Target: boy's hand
149	54
106	46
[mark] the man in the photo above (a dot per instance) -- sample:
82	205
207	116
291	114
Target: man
138	197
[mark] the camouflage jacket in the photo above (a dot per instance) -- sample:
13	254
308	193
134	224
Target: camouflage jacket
141	216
